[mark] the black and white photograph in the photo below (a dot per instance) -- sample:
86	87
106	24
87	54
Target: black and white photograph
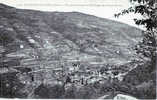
78	49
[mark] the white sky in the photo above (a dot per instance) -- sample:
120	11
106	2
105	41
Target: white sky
100	8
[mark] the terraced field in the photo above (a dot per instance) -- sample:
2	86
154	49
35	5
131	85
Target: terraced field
46	47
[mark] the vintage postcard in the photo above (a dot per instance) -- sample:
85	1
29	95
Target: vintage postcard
78	49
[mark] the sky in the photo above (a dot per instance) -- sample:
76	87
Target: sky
100	8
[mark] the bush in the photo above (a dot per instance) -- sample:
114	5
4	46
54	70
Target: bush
10	86
45	91
86	92
56	91
6	37
70	92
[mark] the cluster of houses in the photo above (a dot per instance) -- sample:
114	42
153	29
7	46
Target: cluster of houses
83	74
77	72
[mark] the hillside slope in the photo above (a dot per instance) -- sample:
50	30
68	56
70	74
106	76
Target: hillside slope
69	33
45	41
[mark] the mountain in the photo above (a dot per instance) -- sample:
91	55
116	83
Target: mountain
48	40
71	34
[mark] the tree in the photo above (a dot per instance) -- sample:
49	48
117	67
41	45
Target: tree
147	8
10	86
147	47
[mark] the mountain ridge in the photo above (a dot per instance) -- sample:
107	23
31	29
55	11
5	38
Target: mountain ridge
5	5
72	26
